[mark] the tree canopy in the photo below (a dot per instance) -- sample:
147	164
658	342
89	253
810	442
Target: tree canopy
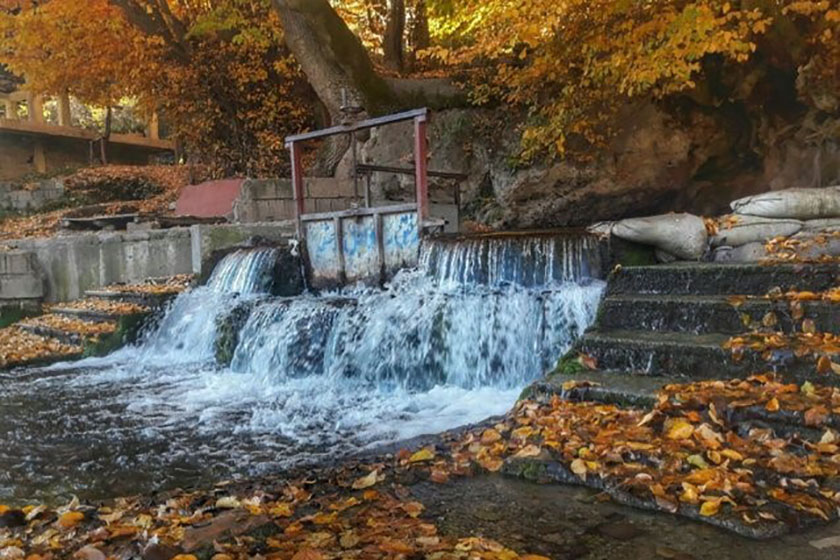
232	82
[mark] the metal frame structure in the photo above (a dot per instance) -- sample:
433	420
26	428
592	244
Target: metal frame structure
421	172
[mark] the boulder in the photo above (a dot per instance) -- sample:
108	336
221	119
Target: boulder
739	230
681	235
800	204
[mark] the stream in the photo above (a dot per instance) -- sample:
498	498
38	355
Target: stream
312	379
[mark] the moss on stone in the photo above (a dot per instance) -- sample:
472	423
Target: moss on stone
568	365
13	314
128	328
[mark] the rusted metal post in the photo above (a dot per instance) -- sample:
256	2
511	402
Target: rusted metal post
297	185
421	171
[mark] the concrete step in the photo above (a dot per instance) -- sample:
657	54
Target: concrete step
690	355
642	391
715	279
86	314
149	300
709	314
60	335
611	387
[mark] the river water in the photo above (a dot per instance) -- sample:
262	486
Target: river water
312	379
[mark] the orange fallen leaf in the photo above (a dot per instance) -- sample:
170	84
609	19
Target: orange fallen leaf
70	519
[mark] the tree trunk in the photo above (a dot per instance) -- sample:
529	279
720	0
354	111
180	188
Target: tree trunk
419	36
394	34
332	58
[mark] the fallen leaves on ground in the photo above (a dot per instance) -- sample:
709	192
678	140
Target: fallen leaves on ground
155	286
764	339
18	347
71	325
800	249
104	306
695	453
167	182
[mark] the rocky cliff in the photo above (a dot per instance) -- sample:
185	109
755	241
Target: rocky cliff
693	154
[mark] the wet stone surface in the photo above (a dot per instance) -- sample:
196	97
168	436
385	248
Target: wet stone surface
564	522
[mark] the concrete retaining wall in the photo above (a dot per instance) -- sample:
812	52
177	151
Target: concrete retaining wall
76	263
209	239
63	268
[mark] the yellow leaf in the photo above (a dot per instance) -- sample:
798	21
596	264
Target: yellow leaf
772	405
366	481
578	467
680	428
424	454
710	508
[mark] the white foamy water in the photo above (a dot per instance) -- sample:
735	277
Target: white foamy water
312	378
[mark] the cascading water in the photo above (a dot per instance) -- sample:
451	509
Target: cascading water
312	377
188	331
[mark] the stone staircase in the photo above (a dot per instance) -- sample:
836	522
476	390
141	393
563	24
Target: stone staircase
97	324
668	324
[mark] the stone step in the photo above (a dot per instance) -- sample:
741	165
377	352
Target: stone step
611	387
60	335
642	391
715	279
86	314
709	314
690	355
149	300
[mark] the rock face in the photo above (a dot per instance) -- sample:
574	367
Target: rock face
688	159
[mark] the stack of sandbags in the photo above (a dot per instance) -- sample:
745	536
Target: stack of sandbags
675	236
793	213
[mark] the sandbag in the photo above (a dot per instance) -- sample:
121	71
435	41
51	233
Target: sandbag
664	257
826	225
602	229
739	230
681	235
801	204
749	253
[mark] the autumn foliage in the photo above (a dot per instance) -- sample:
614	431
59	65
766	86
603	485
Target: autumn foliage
572	66
218	72
230	89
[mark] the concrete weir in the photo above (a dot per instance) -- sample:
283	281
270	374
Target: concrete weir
63	268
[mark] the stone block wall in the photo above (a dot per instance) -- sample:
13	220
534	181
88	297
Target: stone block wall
15	198
266	200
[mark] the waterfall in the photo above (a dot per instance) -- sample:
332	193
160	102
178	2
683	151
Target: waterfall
187	333
479	313
537	260
246	271
312	378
